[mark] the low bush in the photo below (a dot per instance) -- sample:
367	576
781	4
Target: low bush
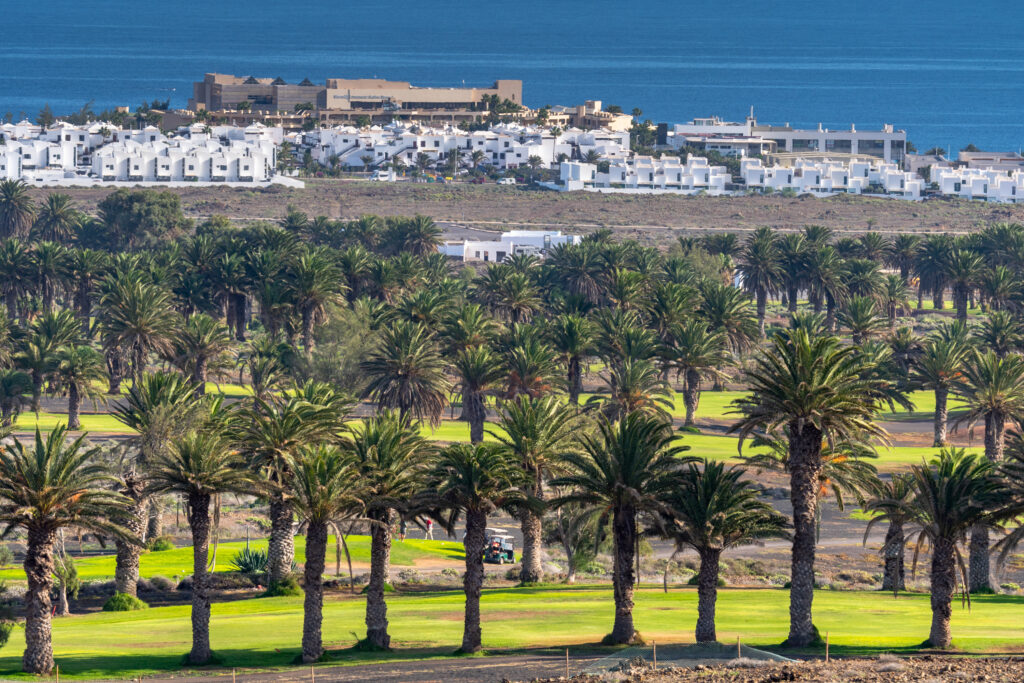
144	586
450	571
160	543
162	583
695	579
6	556
249	561
122	602
410	576
285	587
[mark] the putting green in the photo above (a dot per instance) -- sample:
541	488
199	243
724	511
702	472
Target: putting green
178	562
260	633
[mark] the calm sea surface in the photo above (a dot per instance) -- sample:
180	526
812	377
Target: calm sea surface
948	72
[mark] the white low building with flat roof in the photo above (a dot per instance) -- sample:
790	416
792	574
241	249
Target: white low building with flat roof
990	184
828	177
537	242
646	175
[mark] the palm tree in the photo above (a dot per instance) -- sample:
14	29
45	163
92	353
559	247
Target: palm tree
469	327
760	266
696	353
473	480
137	318
535	434
999	287
44	487
814	389
14	384
1001	332
406	372
78	369
269	434
894	295
711	509
16	208
479	372
792	255
903	254
948	496
388	458
992	389
57	219
726	310
873	247
963	268
936	368
861	317
49	267
202	340
625	469
323	485
199	466
571	336
531	368
83	271
15	272
314	284
823	268
633	384
896	490
931	267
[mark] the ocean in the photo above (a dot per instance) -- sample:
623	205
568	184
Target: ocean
949	73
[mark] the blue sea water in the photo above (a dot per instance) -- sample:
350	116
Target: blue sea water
949	72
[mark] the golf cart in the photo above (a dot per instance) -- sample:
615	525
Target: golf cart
499	547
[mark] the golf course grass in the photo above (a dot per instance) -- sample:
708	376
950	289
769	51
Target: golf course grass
260	633
178	562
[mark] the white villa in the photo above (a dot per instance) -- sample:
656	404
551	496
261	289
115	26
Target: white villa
536	242
830	177
990	184
643	174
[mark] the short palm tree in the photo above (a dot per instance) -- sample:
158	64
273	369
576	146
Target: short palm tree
902	254
634	384
78	370
17	209
696	353
792	255
760	266
1001	332
992	389
572	337
815	390
711	509
535	434
479	374
897	489
14	384
388	457
45	486
963	268
948	496
725	309
531	369
315	282
137	318
323	486
937	367
861	318
57	219
201	342
473	481
624	469
199	466
406	373
894	295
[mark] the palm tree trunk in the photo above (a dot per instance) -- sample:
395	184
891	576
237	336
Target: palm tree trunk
575	377
307	331
707	595
473	581
920	296
63	609
114	371
473	406
938	297
943	577
38	657
12	304
960	301
154	524
762	305
691	395
84	306
281	548
793	293
805	467
126	567
531	570
313	608
380	569
894	576
980	573
941	416
624	534
74	407
199	375
199	522
37	390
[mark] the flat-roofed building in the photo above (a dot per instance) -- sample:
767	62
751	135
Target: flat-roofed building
224	91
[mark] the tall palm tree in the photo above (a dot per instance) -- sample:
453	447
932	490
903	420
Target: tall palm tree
726	310
16	208
388	458
931	267
473	480
201	341
1000	287
625	469
57	219
15	272
199	466
903	254
480	373
962	270
896	489
992	389
84	269
792	256
950	495
873	247
323	486
535	434
695	352
45	486
78	369
138	319
760	266
823	268
893	296
572	336
406	372
711	509
468	327
49	267
814	390
269	434
315	282
937	368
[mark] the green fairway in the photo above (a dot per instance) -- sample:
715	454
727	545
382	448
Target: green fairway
178	562
267	632
100	422
924	408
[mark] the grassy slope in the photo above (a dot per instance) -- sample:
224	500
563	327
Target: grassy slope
178	562
267	632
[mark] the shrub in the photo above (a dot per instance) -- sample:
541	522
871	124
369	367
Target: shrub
5	631
249	561
410	576
285	587
450	571
1010	586
162	583
6	556
161	543
122	602
695	579
144	585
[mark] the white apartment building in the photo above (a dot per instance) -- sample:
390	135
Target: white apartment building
644	174
536	242
991	184
827	177
183	159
